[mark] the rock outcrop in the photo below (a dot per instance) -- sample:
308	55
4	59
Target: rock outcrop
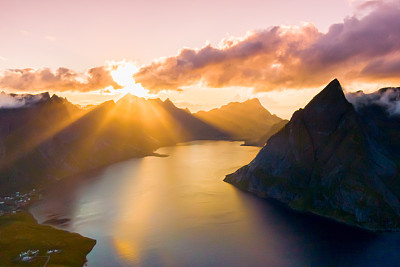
334	161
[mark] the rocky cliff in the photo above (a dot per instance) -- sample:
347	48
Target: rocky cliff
331	160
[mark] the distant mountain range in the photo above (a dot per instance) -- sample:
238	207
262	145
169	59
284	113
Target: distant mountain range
43	138
336	159
247	120
261	141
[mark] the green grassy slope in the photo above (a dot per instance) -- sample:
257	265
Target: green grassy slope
20	232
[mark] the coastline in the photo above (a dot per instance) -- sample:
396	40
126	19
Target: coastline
310	212
26	242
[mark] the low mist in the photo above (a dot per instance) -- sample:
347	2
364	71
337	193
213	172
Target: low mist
387	98
18	101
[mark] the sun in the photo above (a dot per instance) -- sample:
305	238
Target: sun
122	73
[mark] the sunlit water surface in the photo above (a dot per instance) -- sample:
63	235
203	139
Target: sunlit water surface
177	211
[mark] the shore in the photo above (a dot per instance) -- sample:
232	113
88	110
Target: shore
25	242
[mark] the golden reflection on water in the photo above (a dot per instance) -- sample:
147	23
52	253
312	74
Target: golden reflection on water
169	211
169	200
136	207
126	248
177	211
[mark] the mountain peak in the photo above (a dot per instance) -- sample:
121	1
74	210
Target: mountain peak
57	99
324	112
44	95
326	159
332	94
129	99
253	101
168	103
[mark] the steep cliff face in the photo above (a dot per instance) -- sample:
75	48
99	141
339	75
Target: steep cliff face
328	160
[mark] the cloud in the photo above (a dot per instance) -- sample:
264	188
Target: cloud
63	79
17	101
387	98
281	57
382	68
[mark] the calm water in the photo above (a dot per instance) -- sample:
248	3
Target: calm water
177	211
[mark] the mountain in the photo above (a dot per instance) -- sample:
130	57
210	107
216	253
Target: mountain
22	100
52	139
165	122
45	138
261	141
23	129
332	160
247	120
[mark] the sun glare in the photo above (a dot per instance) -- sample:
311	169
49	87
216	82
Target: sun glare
122	73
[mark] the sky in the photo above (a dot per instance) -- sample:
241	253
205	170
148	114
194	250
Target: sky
201	54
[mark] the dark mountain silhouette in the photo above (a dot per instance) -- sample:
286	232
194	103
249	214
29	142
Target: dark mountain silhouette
263	139
165	122
247	120
332	160
53	139
50	138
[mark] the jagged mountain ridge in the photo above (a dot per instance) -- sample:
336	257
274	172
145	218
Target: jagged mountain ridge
49	138
333	161
165	122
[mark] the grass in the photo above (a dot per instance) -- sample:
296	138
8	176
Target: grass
20	232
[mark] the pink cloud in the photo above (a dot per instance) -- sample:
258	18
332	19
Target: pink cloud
63	79
358	49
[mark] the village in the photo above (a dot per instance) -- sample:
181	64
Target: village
29	255
17	201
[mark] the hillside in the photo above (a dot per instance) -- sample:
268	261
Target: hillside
247	120
332	160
